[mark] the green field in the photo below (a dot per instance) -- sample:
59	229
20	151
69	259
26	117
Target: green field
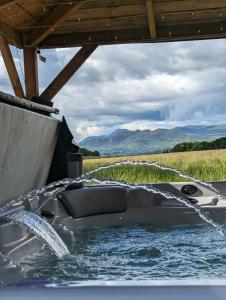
205	165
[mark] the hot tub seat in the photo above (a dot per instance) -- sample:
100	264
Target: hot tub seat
95	200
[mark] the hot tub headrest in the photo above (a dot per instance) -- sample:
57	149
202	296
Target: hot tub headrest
89	201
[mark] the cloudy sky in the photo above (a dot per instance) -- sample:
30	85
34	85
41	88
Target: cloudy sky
143	86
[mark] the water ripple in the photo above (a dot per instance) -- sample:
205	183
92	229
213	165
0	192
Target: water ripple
136	253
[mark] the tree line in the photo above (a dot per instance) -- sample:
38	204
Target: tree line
198	146
87	152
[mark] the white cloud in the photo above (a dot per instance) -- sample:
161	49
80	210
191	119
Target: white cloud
3	73
87	129
140	86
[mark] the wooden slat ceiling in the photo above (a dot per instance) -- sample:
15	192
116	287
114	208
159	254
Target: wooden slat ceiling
63	23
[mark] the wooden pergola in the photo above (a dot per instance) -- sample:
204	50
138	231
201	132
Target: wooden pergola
40	24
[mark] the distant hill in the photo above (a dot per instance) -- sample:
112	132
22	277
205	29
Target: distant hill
127	142
198	146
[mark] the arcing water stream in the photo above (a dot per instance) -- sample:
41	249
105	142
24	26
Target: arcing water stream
159	166
167	195
53	189
44	230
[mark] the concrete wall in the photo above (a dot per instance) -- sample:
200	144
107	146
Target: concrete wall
27	143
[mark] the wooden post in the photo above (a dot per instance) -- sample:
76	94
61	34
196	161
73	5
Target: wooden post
31	72
151	19
62	78
10	67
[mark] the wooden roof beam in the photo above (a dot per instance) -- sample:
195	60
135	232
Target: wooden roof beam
151	19
62	78
5	3
166	33
13	37
161	6
10	67
50	22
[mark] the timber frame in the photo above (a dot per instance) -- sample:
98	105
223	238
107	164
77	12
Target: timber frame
45	24
63	77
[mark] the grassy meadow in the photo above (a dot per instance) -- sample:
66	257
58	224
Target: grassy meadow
205	165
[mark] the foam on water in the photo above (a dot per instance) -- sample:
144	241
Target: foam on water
42	229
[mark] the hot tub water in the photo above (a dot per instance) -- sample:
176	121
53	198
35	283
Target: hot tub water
125	253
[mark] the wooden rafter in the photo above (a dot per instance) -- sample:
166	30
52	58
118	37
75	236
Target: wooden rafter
5	3
161	5
167	33
71	23
12	35
69	70
10	67
50	22
31	72
151	19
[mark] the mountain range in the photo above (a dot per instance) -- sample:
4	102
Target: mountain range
128	142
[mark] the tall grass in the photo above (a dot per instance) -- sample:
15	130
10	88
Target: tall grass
205	165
